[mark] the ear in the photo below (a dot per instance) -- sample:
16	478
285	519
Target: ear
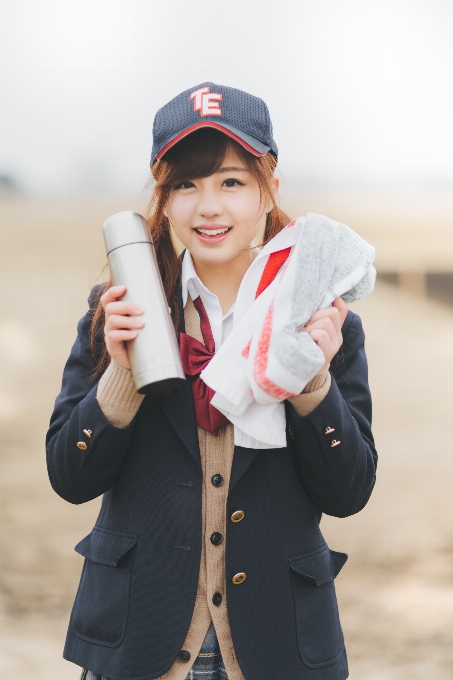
269	204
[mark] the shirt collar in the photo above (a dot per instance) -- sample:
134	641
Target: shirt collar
188	278
192	285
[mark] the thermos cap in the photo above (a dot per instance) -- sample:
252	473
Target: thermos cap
124	228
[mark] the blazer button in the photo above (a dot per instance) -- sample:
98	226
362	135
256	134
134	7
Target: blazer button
216	538
82	445
237	516
217	480
217	599
184	656
239	578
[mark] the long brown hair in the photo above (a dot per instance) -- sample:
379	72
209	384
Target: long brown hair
200	154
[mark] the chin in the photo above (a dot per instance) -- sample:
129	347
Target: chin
213	257
217	254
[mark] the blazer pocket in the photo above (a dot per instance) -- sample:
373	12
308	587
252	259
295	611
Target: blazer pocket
319	634
102	602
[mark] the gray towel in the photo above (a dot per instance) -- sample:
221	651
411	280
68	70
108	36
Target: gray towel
330	257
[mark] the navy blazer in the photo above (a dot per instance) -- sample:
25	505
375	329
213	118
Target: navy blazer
139	582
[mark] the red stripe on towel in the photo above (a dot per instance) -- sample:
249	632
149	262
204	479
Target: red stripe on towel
273	266
261	359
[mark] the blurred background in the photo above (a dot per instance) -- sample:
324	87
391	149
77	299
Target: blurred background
360	95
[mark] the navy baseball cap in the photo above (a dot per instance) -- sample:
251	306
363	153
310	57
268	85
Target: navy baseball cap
239	115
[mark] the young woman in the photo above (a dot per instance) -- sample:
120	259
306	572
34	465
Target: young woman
207	560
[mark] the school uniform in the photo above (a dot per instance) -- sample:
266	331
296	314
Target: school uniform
169	561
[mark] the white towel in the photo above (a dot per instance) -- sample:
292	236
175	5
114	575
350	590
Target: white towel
265	359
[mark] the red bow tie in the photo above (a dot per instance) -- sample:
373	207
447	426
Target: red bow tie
195	357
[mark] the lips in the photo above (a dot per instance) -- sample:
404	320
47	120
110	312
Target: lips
212	233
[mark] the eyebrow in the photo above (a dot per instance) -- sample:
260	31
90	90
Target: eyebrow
233	168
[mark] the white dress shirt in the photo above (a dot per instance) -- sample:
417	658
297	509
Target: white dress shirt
221	324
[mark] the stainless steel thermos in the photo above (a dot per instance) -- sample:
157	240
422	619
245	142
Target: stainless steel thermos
154	354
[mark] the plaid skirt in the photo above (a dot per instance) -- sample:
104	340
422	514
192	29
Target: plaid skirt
207	666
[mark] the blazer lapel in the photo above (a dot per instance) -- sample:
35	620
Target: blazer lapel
179	406
180	411
242	459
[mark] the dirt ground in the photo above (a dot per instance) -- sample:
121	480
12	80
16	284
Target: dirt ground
395	593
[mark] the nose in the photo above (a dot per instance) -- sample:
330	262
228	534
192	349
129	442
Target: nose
209	205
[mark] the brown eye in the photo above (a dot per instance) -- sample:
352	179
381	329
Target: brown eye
232	182
183	185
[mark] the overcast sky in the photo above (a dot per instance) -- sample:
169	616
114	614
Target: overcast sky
359	91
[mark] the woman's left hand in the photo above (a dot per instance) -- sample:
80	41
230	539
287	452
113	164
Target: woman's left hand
325	329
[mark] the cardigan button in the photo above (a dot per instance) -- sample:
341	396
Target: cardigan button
217	480
237	516
239	578
184	656
82	445
217	599
216	538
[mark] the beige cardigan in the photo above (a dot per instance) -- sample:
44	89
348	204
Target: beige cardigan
119	401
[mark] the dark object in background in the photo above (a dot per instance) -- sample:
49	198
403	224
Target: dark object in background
436	285
440	287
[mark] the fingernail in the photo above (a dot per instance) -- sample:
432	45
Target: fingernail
138	309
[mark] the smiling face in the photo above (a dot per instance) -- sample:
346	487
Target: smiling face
217	217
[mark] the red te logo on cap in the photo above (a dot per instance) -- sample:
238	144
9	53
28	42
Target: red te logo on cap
206	102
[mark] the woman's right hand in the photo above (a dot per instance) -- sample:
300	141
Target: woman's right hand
121	324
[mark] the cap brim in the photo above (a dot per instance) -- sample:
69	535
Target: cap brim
254	146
